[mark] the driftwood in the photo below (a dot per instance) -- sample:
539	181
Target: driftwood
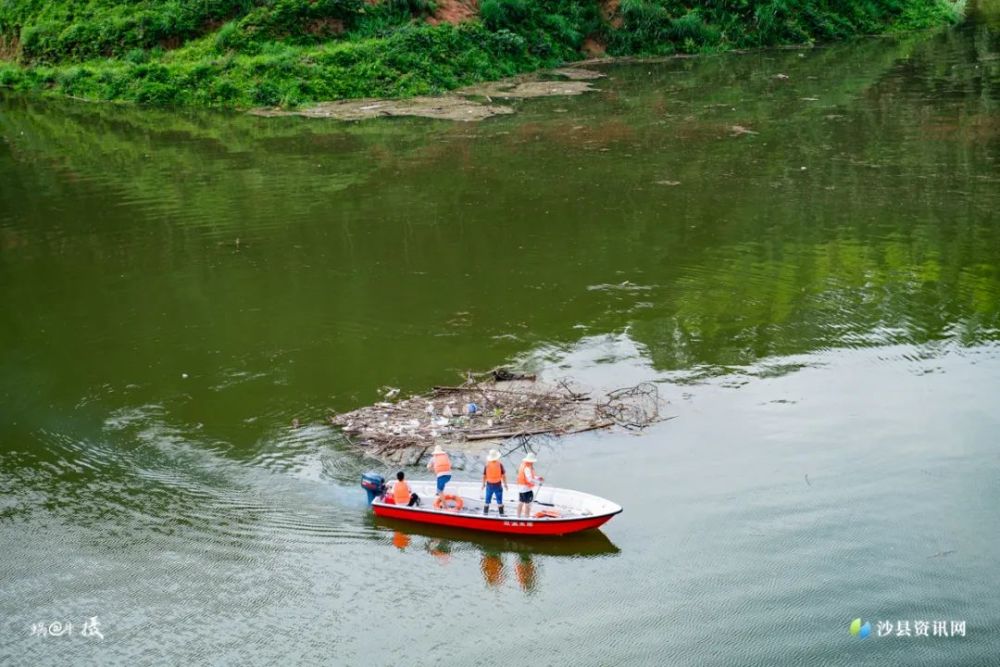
592	427
632	407
503	435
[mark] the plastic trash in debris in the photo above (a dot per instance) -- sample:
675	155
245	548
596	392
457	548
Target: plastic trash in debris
483	412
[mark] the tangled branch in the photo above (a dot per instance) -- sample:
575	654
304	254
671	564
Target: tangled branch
632	407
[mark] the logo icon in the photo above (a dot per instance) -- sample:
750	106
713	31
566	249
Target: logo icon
859	629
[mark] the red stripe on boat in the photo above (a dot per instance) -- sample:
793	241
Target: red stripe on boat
493	523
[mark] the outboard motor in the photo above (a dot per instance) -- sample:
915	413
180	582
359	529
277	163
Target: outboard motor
374	484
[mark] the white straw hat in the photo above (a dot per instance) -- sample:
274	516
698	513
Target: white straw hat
530	458
494	455
437	450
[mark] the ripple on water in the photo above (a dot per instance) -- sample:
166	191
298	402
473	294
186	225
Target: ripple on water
145	476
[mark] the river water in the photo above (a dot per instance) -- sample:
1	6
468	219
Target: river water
801	247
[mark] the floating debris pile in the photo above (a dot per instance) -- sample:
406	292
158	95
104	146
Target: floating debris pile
479	413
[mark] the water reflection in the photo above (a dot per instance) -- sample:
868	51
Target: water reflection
498	555
492	567
588	544
400	540
526	572
440	549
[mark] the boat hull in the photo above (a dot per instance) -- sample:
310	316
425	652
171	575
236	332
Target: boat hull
510	525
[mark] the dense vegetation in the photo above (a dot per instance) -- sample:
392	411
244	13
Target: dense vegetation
286	52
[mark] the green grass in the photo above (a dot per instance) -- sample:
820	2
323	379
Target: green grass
244	53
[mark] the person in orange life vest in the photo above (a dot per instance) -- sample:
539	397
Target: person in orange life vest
401	492
527	482
441	465
494	481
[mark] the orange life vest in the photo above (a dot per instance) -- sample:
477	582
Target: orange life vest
401	492
448	501
442	464
522	478
493	473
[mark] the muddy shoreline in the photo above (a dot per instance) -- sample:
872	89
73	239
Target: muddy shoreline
468	104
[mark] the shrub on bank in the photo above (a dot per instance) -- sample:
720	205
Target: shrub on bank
246	53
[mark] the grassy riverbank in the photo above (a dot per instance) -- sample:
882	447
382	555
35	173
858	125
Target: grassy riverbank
244	53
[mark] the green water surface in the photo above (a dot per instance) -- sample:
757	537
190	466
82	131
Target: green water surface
800	247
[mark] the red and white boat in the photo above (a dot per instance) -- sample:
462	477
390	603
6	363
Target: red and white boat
554	511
